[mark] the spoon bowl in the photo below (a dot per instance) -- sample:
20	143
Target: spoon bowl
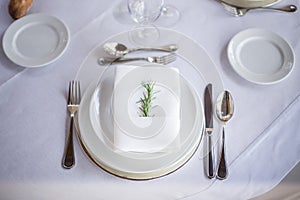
118	50
224	107
224	111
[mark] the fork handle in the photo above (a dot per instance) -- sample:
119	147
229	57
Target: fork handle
69	157
105	61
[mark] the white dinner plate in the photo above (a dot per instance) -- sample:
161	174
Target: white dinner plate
35	40
135	165
260	56
251	3
198	69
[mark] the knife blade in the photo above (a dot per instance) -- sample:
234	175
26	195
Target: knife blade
208	110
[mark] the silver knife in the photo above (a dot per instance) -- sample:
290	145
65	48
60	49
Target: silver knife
208	110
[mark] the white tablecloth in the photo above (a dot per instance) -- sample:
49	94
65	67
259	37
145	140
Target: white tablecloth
262	139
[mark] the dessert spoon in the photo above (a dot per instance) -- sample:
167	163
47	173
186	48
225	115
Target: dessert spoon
119	50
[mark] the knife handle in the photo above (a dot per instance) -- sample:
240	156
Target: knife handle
211	159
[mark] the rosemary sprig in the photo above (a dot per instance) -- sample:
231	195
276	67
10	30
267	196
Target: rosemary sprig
148	96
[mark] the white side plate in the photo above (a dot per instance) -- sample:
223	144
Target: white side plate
35	40
260	56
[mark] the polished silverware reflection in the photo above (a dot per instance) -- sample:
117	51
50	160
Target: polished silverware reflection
224	110
119	50
152	59
208	110
73	105
236	11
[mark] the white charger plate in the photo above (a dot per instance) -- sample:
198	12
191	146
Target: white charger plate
260	56
251	3
201	65
35	40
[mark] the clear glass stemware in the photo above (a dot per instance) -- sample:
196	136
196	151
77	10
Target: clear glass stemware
144	13
169	16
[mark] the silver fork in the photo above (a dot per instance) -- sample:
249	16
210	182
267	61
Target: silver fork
238	12
153	59
73	104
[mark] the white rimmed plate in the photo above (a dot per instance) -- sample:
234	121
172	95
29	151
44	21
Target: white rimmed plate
35	40
251	3
260	56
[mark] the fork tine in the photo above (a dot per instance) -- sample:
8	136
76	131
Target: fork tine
70	91
79	92
78	95
73	92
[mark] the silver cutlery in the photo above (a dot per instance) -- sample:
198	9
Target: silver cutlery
208	110
74	97
119	50
152	59
224	111
237	11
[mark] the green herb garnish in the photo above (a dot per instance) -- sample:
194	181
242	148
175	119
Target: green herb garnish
147	99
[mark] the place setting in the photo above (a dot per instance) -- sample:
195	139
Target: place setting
100	73
102	116
112	131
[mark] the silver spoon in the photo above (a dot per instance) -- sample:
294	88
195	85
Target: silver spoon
224	110
119	50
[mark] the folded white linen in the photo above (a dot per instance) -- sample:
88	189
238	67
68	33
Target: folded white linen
160	131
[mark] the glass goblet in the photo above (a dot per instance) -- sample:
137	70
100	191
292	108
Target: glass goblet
144	13
169	16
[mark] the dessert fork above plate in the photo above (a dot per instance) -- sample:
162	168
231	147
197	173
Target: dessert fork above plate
152	59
